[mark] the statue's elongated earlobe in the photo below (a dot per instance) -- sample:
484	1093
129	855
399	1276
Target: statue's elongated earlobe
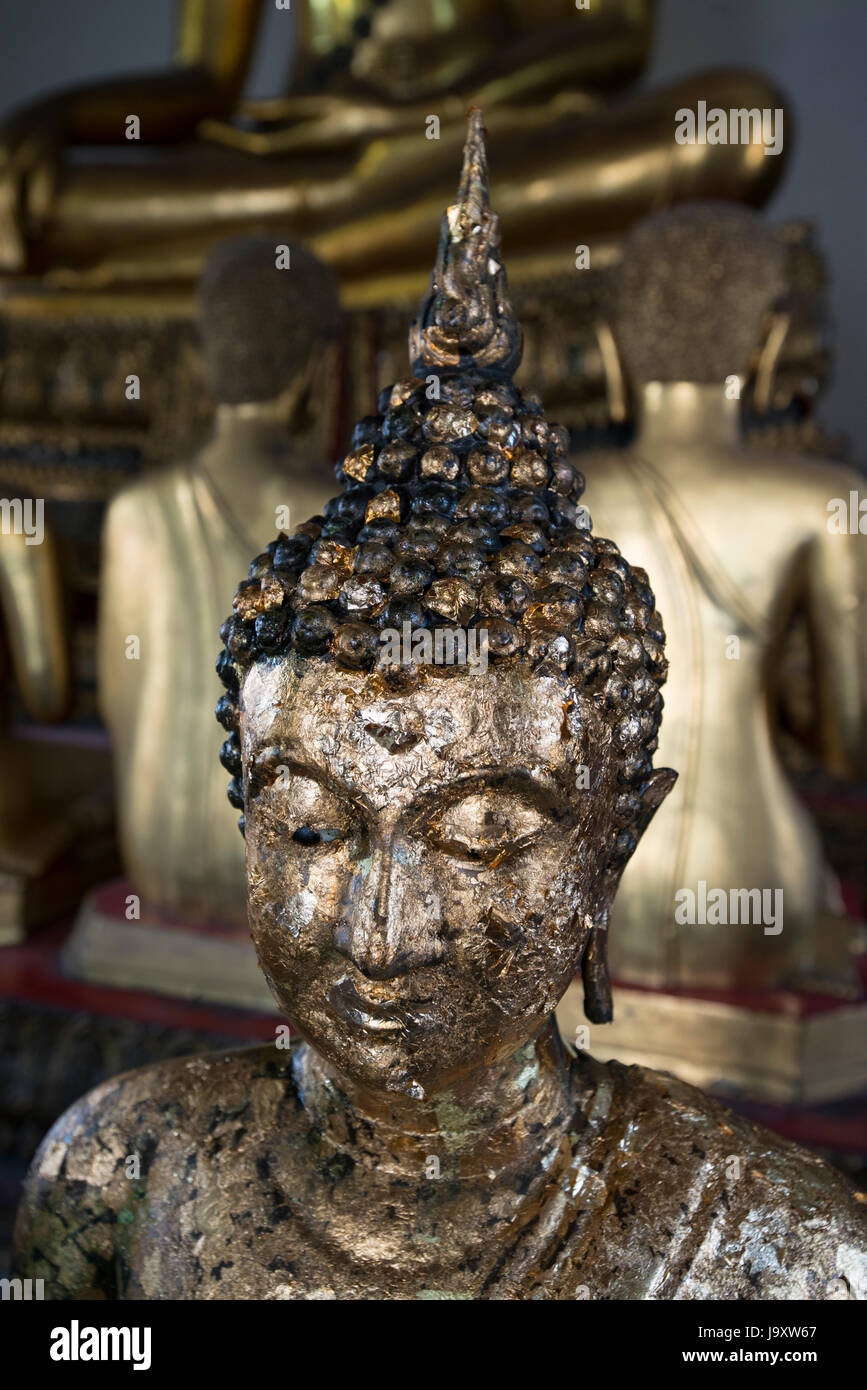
594	972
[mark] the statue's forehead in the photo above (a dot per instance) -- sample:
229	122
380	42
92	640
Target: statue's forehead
460	722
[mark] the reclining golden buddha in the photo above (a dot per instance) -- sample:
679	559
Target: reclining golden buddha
432	852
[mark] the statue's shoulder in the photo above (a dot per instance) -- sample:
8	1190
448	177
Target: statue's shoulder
151	500
803	477
747	1213
90	1176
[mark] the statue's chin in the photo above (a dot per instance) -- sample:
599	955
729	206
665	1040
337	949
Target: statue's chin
389	1066
417	1069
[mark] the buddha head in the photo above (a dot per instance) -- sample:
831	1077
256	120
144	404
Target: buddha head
435	828
265	328
695	292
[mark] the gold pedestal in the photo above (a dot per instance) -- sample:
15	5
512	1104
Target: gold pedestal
206	963
795	1053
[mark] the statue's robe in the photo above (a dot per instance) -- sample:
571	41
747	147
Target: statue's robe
206	1177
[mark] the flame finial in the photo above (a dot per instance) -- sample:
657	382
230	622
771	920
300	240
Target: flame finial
466	320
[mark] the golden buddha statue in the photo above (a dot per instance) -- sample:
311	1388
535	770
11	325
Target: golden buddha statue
738	540
33	830
31	601
337	161
56	824
432	850
357	160
172	544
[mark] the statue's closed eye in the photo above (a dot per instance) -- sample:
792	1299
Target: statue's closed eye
302	806
487	827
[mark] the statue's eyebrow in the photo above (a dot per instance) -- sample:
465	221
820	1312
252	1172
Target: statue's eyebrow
268	761
538	786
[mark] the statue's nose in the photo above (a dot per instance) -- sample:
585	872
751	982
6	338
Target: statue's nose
387	927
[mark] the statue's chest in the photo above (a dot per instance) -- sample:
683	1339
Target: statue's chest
237	1232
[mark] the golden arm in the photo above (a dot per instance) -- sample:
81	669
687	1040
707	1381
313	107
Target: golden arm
837	611
31	599
215	40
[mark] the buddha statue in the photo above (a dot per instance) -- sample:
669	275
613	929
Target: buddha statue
31	601
432	848
172	545
33	829
337	160
738	540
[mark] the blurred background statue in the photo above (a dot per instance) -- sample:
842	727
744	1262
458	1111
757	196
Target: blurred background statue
35	827
56	813
337	161
739	540
171	549
356	160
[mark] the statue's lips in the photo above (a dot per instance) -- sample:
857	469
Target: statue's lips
390	1016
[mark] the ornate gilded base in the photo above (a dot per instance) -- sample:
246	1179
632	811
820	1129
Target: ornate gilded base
791	1051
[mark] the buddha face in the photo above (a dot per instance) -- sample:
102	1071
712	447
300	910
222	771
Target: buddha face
424	866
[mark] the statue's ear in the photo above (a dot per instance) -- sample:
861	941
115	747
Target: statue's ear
653	793
594	964
775	332
616	389
594	972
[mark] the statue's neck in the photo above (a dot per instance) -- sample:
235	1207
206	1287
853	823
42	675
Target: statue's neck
502	1118
243	435
672	413
250	419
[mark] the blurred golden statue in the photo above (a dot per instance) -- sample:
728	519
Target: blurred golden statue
729	887
31	601
172	544
34	628
56	830
338	161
